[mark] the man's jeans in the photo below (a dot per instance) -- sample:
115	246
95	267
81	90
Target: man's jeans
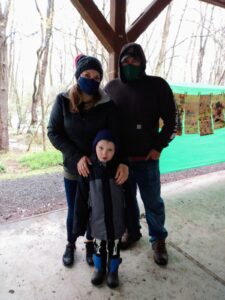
146	175
70	188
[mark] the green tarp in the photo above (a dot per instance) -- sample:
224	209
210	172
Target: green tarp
192	151
197	89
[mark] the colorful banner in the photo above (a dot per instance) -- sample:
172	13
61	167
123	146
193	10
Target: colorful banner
205	121
200	113
218	109
180	101
191	114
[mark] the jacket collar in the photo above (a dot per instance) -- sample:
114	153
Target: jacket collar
104	97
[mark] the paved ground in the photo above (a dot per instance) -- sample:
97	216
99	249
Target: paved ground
28	196
31	250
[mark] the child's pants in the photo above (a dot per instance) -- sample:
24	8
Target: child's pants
100	256
112	246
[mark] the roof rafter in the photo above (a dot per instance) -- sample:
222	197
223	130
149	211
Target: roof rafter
97	22
220	3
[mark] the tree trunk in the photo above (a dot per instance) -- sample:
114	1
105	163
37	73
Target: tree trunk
4	135
165	34
169	70
41	70
217	73
42	61
203	43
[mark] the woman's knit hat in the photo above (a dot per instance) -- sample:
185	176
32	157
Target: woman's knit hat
84	62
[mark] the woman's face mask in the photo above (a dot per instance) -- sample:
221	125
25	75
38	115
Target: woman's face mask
131	72
88	86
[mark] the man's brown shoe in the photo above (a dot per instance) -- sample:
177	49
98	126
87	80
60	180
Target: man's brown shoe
160	252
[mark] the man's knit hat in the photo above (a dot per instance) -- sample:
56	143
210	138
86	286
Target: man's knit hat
84	62
104	134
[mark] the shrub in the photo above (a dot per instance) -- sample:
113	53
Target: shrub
41	160
2	168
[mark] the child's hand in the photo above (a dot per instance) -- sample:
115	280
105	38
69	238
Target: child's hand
82	166
121	174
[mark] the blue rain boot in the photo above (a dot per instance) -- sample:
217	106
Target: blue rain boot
112	276
100	269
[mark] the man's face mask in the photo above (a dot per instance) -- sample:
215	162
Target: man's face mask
131	72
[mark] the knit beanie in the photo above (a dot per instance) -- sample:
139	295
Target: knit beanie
84	62
104	134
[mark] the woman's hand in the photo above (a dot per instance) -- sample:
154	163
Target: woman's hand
121	174
82	166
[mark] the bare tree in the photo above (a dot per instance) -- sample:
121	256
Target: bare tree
203	41
4	135
165	34
169	69
188	58
42	64
217	74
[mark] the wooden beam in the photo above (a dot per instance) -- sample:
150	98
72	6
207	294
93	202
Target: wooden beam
145	19
118	17
220	3
118	23
113	65
97	22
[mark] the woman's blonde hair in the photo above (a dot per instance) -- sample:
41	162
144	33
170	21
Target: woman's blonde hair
75	97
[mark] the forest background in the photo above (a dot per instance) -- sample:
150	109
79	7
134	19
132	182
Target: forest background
40	38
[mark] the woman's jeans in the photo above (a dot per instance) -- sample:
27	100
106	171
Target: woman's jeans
70	188
146	175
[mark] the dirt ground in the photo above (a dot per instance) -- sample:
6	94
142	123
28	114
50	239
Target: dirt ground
24	197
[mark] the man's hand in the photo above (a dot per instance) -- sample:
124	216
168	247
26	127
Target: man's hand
121	174
82	166
153	154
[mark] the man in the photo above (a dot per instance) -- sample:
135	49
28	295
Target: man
142	101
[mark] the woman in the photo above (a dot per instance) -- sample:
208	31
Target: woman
76	117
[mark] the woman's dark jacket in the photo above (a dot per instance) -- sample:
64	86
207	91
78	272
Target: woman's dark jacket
100	200
73	133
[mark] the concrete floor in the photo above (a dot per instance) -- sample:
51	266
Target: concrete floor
31	251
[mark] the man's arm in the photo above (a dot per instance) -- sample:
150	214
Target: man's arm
169	114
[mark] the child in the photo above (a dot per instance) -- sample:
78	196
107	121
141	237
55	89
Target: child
101	199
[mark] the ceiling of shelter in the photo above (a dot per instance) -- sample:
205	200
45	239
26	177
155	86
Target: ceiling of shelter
220	3
114	34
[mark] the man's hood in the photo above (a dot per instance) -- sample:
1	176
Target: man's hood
135	50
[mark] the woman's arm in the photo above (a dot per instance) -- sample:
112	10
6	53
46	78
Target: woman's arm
57	134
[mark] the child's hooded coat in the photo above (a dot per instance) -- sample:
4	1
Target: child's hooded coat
100	200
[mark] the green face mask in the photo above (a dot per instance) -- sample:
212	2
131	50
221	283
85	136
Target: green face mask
131	72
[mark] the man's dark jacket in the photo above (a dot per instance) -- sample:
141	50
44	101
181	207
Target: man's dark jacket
142	103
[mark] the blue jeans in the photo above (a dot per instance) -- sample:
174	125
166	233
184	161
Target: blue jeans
70	188
146	175
132	213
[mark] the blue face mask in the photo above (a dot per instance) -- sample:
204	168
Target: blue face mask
87	85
